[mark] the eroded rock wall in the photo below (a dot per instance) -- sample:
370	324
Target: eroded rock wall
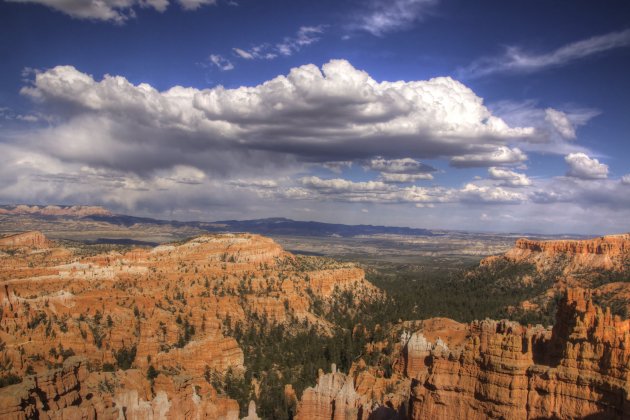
579	369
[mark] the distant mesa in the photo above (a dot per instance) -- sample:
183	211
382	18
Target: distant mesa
604	245
605	252
76	211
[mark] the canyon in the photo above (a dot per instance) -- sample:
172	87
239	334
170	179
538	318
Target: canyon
166	332
601	264
580	368
142	330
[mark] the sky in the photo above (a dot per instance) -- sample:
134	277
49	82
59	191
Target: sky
493	115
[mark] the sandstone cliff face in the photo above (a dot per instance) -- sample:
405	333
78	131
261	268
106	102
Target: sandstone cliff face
73	392
168	311
29	239
333	397
579	369
603	253
54	394
550	267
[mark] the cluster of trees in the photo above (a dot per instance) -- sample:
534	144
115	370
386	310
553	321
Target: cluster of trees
277	354
463	294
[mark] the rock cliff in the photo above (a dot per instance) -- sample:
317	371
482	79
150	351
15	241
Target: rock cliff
606	253
544	269
28	239
155	323
579	369
333	397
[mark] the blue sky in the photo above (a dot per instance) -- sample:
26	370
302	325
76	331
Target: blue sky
490	115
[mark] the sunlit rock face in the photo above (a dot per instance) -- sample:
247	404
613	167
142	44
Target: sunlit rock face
578	369
146	325
601	264
571	256
28	239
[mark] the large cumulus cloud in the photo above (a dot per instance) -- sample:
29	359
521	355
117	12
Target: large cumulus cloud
311	114
584	167
246	152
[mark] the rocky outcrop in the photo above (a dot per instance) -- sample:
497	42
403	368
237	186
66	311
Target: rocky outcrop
603	253
361	394
57	393
333	397
612	245
544	269
157	324
251	412
28	240
580	369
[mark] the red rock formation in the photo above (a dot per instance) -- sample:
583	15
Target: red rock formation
360	395
58	391
580	369
168	311
567	263
605	245
28	239
606	252
333	398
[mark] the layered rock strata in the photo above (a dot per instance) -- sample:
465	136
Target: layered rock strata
571	256
580	369
157	322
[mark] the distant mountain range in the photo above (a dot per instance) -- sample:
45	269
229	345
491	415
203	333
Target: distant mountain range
270	226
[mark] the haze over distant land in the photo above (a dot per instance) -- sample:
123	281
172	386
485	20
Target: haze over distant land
420	113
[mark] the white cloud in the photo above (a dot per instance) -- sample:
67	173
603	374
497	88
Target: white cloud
398	166
305	36
257	183
393	15
588	194
310	115
221	62
337	166
400	170
404	178
195	4
243	54
500	156
117	11
560	121
554	129
486	194
338	185
516	60
380	192
584	167
625	179
510	178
